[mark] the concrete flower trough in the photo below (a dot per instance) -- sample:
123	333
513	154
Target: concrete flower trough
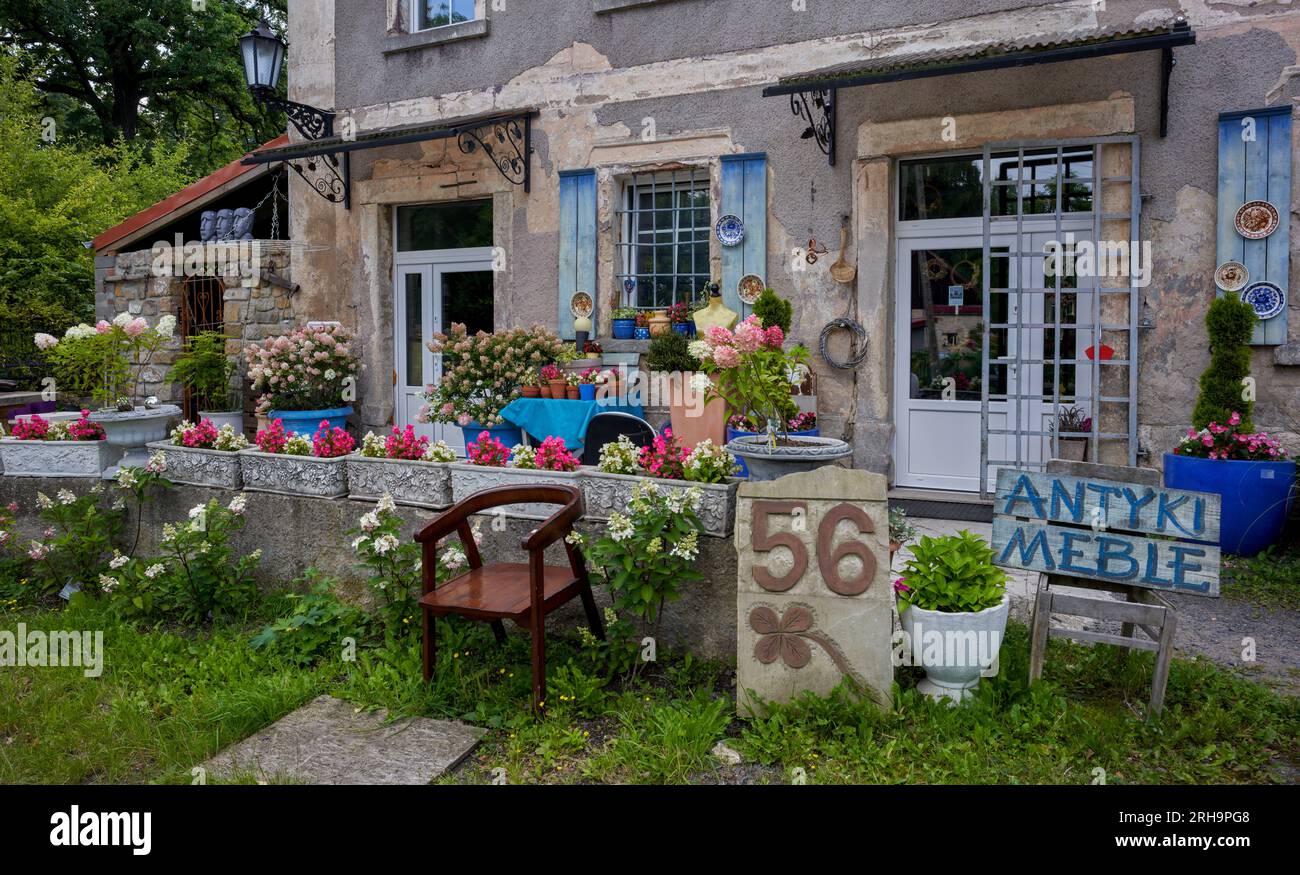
294	475
605	493
56	458
410	483
200	467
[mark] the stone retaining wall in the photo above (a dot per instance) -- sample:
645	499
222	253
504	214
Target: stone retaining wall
295	533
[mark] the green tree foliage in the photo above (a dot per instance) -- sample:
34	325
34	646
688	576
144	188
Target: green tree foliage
772	309
162	71
1229	323
54	198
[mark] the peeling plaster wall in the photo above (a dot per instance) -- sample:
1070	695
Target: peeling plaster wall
697	68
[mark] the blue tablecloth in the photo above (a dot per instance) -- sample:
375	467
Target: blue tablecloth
547	417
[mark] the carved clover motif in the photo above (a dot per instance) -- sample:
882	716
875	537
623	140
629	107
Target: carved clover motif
782	637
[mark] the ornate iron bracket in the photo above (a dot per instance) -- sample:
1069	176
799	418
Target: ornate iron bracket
817	108
328	176
507	144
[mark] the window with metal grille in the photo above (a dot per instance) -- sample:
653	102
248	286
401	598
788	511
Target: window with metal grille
664	242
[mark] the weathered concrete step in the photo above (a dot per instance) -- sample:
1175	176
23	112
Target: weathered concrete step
327	741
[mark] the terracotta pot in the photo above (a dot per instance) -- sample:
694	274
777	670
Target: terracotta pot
544	391
660	324
693	421
572	393
558	388
531	391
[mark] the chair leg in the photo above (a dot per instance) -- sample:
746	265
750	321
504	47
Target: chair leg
593	615
538	629
430	644
499	630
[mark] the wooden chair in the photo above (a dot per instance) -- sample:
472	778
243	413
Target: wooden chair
522	592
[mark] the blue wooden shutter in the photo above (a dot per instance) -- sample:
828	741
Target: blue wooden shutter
577	243
744	194
1257	169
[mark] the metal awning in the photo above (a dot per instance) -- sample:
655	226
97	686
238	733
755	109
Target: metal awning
816	92
506	139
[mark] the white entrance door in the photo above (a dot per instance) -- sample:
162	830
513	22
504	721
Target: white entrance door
938	370
432	290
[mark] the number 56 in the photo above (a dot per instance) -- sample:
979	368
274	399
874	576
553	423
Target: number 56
828	557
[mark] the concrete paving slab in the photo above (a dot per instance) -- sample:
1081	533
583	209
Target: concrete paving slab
327	741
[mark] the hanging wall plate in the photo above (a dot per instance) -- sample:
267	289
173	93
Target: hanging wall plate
580	305
1267	298
750	288
730	230
1256	220
1231	276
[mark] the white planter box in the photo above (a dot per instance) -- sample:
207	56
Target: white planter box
412	483
294	475
467	479
606	493
199	467
56	458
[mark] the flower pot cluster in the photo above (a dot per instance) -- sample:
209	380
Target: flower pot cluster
203	454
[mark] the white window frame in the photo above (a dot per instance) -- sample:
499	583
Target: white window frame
414	8
697	178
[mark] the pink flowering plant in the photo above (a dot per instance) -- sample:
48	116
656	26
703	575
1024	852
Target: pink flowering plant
13	561
482	373
306	369
553	455
751	371
1230	442
77	542
487	451
204	435
664	458
105	360
330	443
274	439
37	428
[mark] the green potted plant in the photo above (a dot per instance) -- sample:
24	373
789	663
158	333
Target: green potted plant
773	310
1073	426
624	324
305	376
206	371
901	530
1222	453
953	604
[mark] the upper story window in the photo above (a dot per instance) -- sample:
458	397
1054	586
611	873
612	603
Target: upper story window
952	187
426	14
664	243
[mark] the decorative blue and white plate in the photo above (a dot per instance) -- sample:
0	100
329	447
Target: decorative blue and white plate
730	230
629	285
1267	298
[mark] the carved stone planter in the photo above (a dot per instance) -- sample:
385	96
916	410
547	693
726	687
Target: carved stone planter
413	483
467	479
809	454
56	458
294	475
605	493
221	468
130	431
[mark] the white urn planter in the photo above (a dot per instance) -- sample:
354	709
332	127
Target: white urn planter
412	483
132	431
467	479
955	649
805	454
201	467
604	494
55	458
294	475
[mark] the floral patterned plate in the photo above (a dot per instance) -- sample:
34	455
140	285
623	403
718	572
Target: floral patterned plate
750	288
1267	298
1256	220
730	230
1231	276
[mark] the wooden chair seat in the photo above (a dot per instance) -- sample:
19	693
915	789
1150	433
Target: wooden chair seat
501	591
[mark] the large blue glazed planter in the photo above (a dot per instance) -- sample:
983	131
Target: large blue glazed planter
307	422
732	434
587	391
685	328
624	328
510	435
1255	495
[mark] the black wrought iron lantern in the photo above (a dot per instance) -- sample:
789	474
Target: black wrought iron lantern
262	51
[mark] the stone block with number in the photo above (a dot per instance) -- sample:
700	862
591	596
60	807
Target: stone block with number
814	606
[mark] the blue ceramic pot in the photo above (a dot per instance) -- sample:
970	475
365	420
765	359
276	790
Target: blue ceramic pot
307	422
587	391
510	435
684	328
641	334
732	434
624	329
1256	497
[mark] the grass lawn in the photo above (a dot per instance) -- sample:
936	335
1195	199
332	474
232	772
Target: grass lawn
169	699
1270	580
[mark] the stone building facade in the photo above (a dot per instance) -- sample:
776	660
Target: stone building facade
627	94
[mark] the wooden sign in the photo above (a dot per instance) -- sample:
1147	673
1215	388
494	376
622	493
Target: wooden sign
1107	530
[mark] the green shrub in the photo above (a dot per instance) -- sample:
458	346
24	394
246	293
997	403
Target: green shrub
1229	323
670	353
953	574
772	309
206	370
316	627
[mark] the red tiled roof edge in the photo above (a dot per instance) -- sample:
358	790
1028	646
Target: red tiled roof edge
189	193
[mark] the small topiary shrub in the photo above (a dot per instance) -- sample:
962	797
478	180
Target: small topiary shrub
772	309
670	353
1229	323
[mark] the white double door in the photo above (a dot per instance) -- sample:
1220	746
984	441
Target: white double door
939	337
431	290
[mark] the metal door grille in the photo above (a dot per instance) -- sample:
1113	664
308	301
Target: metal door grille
1110	303
201	310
